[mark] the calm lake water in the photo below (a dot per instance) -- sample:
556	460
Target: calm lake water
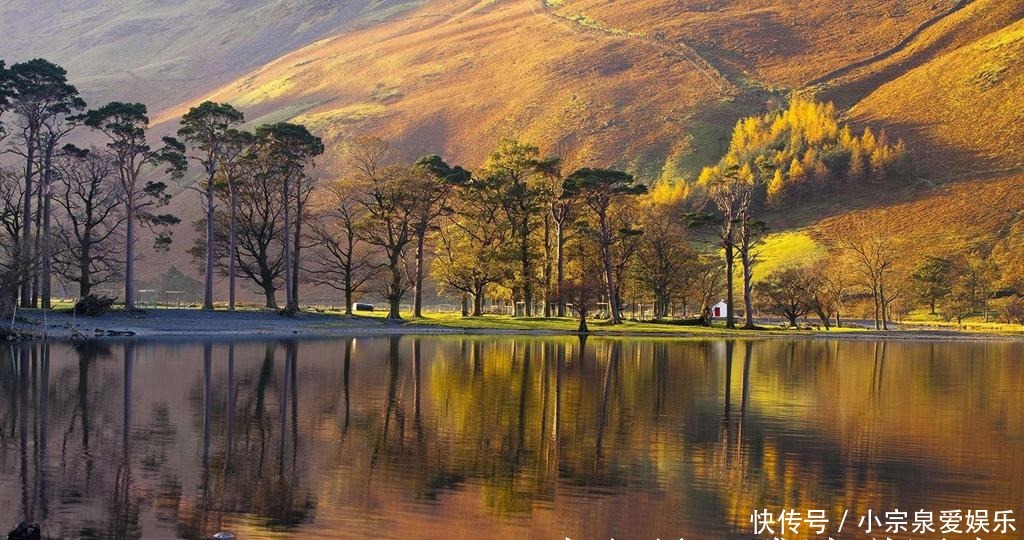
501	437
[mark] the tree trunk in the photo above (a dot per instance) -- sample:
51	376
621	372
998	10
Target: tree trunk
524	253
874	298
609	273
478	303
395	298
583	323
46	279
748	288
26	218
37	251
730	314
465	304
881	299
84	277
560	266
297	248
984	302
271	295
232	245
348	280
417	306
547	266
289	300
208	281
659	301
129	256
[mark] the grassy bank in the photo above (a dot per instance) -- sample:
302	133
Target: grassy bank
324	322
568	325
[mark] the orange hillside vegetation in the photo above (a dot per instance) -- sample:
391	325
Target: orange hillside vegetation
466	74
961	113
653	86
777	43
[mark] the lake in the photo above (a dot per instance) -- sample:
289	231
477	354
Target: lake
503	437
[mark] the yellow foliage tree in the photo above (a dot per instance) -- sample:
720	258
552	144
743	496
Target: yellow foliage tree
804	148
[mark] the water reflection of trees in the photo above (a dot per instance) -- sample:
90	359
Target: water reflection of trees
280	433
251	458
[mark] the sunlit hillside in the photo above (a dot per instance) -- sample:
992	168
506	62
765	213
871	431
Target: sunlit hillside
643	85
778	43
652	86
964	24
960	112
463	74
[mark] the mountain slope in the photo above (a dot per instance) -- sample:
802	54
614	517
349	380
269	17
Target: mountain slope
159	51
962	111
962	25
962	116
652	86
772	42
479	71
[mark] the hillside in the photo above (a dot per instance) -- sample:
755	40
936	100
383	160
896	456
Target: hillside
963	24
479	71
160	52
652	86
960	112
961	115
781	44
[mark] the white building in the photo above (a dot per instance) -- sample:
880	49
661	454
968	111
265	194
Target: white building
720	310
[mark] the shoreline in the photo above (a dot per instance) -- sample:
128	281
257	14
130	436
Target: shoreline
177	324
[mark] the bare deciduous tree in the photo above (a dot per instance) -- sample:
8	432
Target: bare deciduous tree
873	256
92	211
341	259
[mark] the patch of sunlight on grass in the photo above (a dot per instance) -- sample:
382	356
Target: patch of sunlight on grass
283	114
279	87
357	112
923	318
789	248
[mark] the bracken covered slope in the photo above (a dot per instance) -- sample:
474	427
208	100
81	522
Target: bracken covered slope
962	115
963	111
652	86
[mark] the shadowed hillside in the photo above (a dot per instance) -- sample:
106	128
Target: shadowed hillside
159	52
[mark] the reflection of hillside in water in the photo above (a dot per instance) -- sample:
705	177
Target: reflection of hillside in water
471	437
